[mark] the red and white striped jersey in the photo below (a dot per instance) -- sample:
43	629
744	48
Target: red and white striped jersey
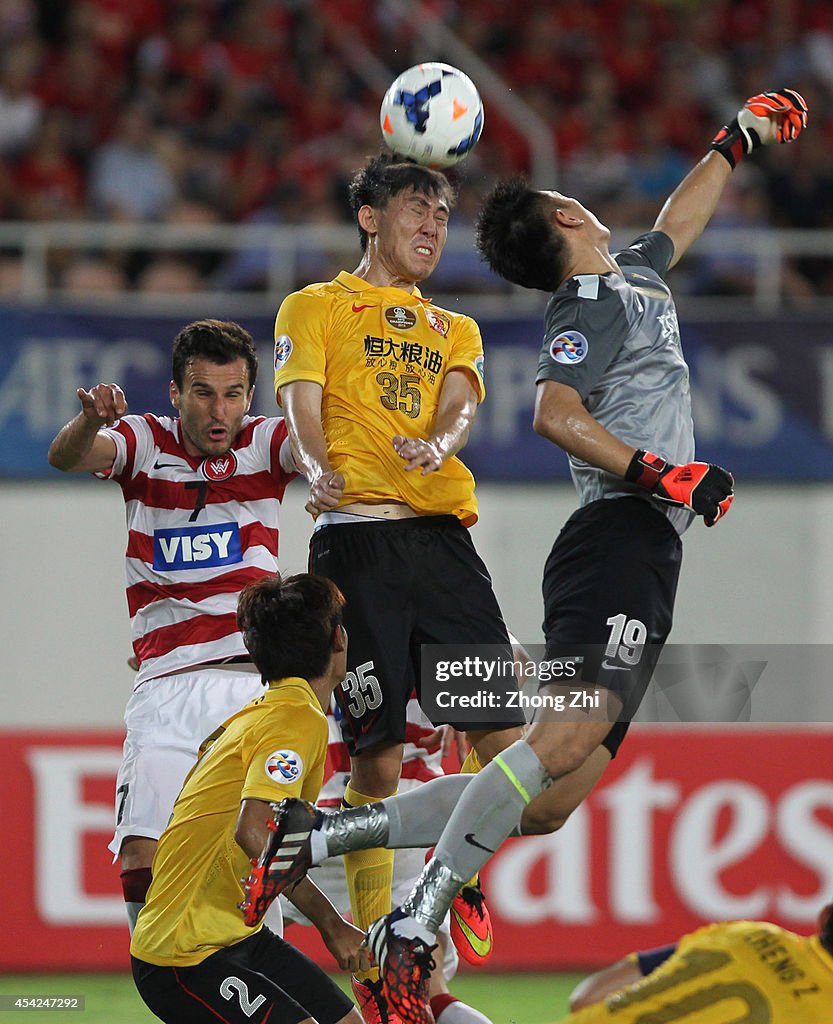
418	763
198	530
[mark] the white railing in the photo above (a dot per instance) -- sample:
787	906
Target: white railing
290	255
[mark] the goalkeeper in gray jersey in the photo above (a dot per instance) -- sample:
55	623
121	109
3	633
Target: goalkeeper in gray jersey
613	392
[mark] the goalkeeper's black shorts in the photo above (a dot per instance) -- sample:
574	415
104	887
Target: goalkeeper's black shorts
609	587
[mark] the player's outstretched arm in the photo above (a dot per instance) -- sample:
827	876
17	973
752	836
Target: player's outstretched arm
301	401
764	119
78	447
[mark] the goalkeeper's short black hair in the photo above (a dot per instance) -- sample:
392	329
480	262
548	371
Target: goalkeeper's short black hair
386	175
516	237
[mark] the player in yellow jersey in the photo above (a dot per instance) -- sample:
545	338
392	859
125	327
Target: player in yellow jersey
380	388
749	971
194	959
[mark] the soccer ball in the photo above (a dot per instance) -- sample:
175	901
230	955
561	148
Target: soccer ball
433	114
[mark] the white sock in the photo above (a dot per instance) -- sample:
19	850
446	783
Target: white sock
408	928
132	913
458	1012
318	845
273	919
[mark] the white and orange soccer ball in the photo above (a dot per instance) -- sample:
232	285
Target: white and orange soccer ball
432	114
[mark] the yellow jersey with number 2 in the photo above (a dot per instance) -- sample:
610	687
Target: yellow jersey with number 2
741	972
381	356
274	747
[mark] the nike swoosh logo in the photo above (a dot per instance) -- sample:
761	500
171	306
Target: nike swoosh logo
469	837
358	309
615	668
481	946
166	465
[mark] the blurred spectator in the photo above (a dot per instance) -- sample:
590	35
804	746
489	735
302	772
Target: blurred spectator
169	275
128	179
597	172
94	276
184	53
9	205
11	276
116	26
75	80
258	167
191	212
48	179
247	268
195	214
703	49
633	57
20	109
801	196
681	113
732	269
819	46
256	49
654	171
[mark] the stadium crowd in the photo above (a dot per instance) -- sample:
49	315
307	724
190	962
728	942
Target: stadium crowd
215	111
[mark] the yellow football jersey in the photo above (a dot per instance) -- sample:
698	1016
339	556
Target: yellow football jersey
381	355
274	747
741	971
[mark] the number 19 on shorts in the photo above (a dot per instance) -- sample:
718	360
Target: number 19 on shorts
627	639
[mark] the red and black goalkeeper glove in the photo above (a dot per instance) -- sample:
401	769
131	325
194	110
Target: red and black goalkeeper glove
768	117
700	487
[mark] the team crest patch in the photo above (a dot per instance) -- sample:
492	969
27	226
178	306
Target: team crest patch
401	318
284	766
439	323
219	467
569	348
283	350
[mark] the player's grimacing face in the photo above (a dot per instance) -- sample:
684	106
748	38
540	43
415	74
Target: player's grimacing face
212	402
411	232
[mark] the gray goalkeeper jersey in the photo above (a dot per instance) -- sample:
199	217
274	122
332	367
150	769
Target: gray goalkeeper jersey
615	340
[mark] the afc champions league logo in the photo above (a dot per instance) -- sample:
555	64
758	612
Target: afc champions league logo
283	350
217	468
569	348
284	766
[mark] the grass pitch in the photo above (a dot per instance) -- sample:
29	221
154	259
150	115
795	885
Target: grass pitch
112	998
